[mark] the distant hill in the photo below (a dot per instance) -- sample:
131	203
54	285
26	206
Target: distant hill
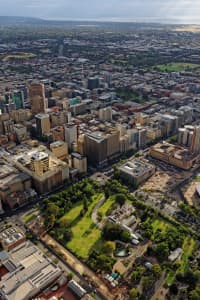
7	20
13	20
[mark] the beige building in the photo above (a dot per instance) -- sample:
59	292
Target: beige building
137	170
37	98
113	144
79	162
58	133
42	124
20	115
59	149
45	169
12	180
21	132
174	155
105	114
40	163
58	118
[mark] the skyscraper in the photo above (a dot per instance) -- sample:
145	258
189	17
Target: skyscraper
37	98
71	134
195	146
42	124
18	99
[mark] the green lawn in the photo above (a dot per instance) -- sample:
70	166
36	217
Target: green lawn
176	67
159	225
73	214
106	206
85	234
188	248
170	277
197	177
19	56
29	217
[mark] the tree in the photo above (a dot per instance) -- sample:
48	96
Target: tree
173	289
67	235
161	250
70	276
157	271
52	209
109	247
85	204
195	294
147	282
137	274
120	199
135	295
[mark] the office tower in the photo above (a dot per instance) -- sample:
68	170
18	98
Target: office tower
105	114
18	99
169	124
40	163
79	162
58	118
21	132
58	133
70	134
142	138
42	124
133	138
37	98
113	144
80	144
95	148
93	83
59	149
195	146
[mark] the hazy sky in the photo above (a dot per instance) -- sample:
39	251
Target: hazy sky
102	9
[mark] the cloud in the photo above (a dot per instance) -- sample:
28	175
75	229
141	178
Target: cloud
102	9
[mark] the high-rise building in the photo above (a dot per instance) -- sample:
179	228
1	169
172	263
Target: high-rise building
95	146
93	83
37	98
79	162
59	149
71	134
42	124
105	114
142	138
58	118
195	146
40	163
113	144
58	133
21	132
18	99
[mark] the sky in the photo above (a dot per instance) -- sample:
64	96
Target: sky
116	10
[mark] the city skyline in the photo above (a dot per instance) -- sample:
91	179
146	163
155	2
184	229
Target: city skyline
186	11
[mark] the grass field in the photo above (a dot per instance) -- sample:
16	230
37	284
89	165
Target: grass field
29	217
159	225
188	248
85	234
176	67
104	209
19	56
73	214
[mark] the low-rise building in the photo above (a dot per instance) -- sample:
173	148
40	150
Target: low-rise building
137	170
29	272
174	155
11	237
